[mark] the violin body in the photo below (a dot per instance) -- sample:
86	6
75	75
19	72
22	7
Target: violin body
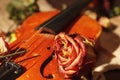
39	60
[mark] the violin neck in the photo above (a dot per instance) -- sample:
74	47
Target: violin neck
64	18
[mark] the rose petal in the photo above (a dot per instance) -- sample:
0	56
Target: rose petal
61	59
68	72
70	60
80	56
73	43
3	46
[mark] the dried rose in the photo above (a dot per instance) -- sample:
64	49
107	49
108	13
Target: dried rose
3	46
70	52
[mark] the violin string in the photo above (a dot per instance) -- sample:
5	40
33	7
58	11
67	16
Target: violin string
27	49
33	50
30	56
12	54
23	61
18	49
25	43
9	56
35	56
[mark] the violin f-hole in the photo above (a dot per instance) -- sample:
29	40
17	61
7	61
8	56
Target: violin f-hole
49	76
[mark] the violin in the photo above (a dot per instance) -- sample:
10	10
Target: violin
32	54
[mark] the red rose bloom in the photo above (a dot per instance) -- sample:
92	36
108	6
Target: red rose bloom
70	51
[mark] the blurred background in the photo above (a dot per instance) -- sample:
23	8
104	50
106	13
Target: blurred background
13	12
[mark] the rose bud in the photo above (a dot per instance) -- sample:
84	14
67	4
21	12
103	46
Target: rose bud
74	54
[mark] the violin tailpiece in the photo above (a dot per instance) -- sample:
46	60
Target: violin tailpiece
10	70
